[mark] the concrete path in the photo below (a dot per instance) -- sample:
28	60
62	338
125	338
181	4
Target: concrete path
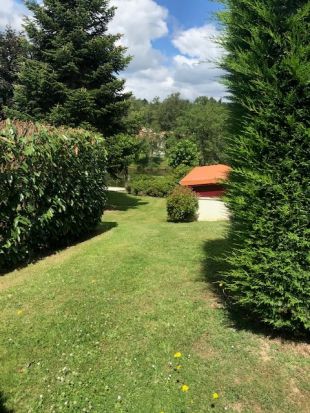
116	189
212	209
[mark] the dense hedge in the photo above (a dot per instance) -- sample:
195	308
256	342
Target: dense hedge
156	186
182	205
267	64
52	187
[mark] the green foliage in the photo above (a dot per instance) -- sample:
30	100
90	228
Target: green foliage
156	186
181	171
184	152
52	187
122	150
71	78
268	45
12	48
182	205
151	148
205	122
139	115
172	108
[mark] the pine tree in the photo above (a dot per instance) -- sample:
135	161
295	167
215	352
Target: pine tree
268	75
71	78
12	48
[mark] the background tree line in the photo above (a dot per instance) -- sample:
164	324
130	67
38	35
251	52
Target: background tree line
175	121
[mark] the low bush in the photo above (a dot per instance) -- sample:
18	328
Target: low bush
52	187
157	186
182	205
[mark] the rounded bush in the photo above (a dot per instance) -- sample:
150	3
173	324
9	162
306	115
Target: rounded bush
182	205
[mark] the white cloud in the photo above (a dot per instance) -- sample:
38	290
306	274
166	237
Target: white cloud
192	71
11	13
150	82
140	22
196	67
199	42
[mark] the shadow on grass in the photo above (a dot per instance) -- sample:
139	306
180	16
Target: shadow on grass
119	201
4	409
214	268
116	201
101	228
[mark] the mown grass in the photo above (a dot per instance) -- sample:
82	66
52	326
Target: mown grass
94	328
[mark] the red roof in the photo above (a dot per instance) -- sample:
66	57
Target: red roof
204	175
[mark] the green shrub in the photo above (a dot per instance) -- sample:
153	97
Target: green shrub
180	172
182	205
52	187
185	153
267	64
138	184
156	186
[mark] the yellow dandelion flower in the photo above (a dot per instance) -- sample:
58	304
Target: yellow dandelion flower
177	355
19	312
178	367
215	396
185	388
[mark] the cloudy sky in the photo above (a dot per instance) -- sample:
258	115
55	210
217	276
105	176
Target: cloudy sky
173	44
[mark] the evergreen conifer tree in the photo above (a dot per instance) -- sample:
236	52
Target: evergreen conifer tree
71	78
12	48
268	45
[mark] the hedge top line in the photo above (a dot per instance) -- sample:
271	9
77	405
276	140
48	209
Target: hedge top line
29	128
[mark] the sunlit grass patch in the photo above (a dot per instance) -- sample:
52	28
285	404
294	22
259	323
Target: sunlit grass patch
126	322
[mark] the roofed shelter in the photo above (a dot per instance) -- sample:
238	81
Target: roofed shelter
207	181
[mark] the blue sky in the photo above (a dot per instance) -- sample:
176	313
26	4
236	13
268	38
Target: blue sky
184	14
173	44
191	12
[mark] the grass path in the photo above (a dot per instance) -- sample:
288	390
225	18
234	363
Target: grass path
95	328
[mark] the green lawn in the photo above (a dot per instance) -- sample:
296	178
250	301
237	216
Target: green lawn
94	328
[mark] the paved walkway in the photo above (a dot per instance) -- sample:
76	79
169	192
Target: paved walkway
116	189
212	209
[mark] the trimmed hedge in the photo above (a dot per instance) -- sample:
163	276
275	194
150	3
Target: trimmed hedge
182	205
52	187
267	65
157	186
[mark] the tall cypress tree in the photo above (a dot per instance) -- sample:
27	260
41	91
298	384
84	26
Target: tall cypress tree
71	78
268	75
